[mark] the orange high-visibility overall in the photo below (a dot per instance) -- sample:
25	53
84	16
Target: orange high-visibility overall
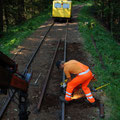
84	76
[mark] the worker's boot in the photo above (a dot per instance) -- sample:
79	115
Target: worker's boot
93	104
62	98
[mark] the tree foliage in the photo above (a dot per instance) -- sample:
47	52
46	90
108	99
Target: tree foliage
108	11
14	12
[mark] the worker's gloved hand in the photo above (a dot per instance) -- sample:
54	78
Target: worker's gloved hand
63	85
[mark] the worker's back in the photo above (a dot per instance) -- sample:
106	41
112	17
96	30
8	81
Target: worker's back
74	67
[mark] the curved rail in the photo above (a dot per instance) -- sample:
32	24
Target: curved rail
47	78
8	100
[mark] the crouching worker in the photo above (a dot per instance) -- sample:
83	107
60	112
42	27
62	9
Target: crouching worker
83	78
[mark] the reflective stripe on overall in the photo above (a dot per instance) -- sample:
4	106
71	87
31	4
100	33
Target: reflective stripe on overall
83	79
68	95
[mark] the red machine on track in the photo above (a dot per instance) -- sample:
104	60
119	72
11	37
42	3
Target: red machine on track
11	79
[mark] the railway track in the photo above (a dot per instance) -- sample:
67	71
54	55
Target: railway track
47	102
62	116
28	65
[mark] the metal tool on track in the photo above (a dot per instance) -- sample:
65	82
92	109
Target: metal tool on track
36	81
102	86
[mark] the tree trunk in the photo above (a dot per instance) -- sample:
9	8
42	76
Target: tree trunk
6	16
20	12
1	17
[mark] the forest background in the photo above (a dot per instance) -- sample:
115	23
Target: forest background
17	11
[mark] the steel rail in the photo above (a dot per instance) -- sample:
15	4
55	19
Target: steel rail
47	78
26	68
6	104
65	51
29	63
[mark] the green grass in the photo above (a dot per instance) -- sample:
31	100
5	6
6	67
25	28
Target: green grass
16	35
110	51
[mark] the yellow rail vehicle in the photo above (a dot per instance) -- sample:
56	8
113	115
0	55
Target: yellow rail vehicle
62	9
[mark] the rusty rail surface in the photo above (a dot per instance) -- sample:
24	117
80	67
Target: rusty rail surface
47	78
9	98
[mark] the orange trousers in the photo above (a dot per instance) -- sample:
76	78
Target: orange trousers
84	81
